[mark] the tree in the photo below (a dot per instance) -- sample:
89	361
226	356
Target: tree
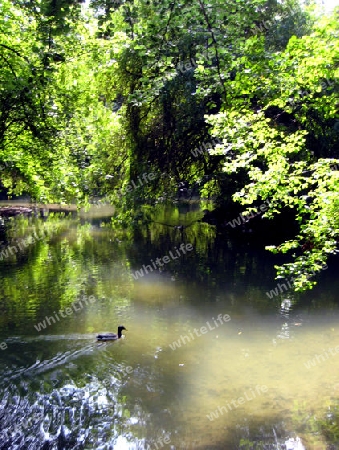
282	134
174	68
53	123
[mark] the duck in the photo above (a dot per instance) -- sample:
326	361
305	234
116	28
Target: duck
111	336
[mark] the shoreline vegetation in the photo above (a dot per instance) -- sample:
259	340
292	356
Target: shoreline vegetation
167	117
25	208
16	207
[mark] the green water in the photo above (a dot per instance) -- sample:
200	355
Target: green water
266	374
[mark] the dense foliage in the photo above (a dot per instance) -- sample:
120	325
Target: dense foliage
124	98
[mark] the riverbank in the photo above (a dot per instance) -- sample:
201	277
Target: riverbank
17	207
9	209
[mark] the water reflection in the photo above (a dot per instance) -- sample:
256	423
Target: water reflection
62	389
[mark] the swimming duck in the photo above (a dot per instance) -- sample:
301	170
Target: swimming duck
111	336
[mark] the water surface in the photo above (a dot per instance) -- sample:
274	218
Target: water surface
267	375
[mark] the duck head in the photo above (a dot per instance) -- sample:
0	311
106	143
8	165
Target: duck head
120	328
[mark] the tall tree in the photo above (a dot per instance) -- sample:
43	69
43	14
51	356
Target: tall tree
282	135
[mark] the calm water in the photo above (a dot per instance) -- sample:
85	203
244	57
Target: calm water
267	375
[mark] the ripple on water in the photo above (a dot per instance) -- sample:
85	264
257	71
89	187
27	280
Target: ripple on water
41	406
67	417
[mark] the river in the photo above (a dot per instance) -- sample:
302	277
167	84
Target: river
215	355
